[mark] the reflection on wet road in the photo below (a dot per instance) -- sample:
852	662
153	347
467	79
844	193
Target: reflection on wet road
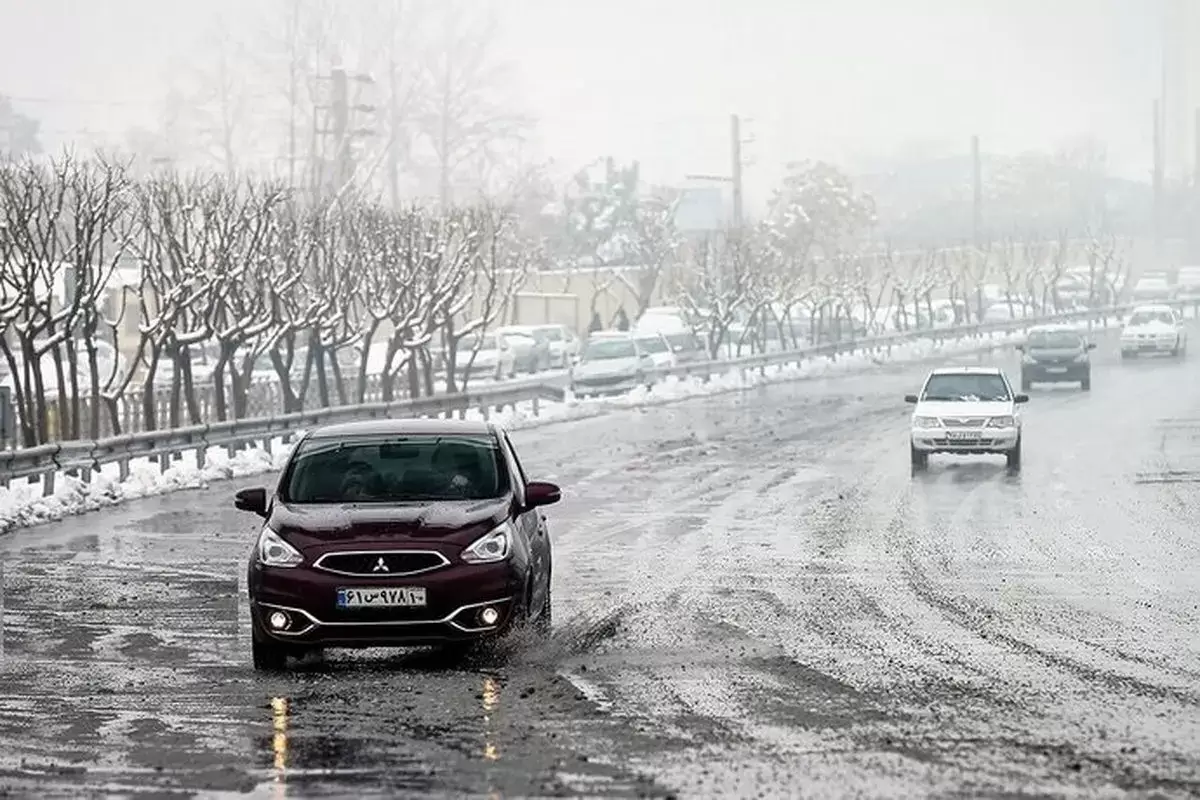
754	594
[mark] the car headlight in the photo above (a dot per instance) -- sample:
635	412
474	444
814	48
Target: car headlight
1002	422
490	548
926	422
1028	359
273	551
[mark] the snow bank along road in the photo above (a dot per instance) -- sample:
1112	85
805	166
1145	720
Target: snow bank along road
754	596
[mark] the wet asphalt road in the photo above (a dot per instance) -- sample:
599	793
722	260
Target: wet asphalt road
755	597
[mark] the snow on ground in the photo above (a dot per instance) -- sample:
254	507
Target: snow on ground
22	504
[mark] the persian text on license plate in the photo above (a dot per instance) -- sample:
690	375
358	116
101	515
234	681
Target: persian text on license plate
389	597
1056	370
962	436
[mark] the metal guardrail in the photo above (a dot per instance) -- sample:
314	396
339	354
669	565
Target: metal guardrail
84	457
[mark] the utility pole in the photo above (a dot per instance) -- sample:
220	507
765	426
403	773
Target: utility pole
735	133
339	113
977	193
293	34
1158	184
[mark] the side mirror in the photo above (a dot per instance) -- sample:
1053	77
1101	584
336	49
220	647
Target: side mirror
252	500
910	398
1091	346
1021	398
541	493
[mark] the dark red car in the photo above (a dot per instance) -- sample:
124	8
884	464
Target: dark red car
398	533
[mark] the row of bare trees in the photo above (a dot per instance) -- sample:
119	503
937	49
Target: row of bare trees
757	284
114	290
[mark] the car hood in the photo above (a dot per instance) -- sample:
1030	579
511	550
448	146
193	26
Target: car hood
606	366
460	521
963	409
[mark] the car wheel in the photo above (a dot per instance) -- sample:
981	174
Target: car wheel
1126	355
1013	457
919	460
545	620
268	656
1086	383
1026	384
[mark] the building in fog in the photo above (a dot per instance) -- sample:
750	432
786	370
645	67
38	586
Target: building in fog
1181	86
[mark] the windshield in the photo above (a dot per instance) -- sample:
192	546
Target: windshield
601	349
653	344
966	387
395	469
551	334
685	340
470	343
1147	317
1058	340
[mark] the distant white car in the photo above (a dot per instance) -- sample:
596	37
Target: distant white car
1152	287
658	348
966	410
493	356
610	363
564	344
1153	330
1188	282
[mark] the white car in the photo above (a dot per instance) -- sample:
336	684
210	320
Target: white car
494	357
610	363
1153	329
658	348
966	410
1152	287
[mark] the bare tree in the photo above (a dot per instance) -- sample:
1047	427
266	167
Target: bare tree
654	245
498	270
466	114
58	219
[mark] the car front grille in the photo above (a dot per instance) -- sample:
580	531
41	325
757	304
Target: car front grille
382	563
964	422
611	380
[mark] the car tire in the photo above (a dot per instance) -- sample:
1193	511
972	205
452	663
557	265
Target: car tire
1086	383
544	623
919	460
268	656
1013	457
1026	384
1126	355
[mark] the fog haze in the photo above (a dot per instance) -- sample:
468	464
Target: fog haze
656	81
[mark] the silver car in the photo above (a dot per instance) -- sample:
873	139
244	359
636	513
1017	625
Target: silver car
611	363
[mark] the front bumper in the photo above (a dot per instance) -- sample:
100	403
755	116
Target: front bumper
982	441
600	386
1069	372
455	596
1149	346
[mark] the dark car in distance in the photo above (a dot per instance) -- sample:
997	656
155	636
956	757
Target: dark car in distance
1056	354
398	533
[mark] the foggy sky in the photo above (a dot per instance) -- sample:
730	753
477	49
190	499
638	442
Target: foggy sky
656	79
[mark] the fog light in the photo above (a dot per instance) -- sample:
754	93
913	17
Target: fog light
489	616
278	620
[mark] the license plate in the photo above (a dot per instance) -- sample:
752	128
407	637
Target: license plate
962	436
389	597
1056	370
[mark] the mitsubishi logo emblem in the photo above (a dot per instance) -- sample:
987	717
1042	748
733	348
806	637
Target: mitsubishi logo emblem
380	566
